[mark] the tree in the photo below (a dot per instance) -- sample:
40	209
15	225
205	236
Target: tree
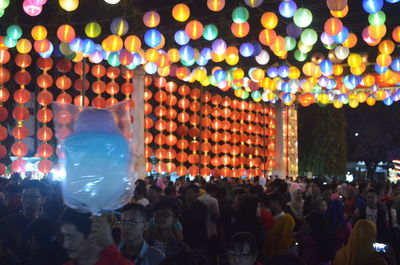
325	153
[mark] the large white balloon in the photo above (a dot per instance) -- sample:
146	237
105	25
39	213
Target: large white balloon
263	57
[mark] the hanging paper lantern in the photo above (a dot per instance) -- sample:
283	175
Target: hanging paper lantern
4	4
240	15
112	2
267	37
215	5
341	52
14	32
396	34
342	35
181	12
39	32
246	49
253	3
340	14
31	9
93	29
152	38
293	31
240	30
119	26
377	19
9	42
336	5
372	6
377	32
24	46
333	26
66	33
303	17
68	5
287	9
210	32
309	37
269	20
181	37
151	19
386	47
194	29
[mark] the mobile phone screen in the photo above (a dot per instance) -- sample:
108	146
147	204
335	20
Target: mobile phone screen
380	247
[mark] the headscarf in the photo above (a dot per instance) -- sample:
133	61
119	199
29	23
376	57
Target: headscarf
296	205
359	249
280	237
322	234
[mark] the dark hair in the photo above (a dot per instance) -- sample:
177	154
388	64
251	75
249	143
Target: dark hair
373	191
135	207
140	190
210	187
242	238
326	187
14	188
44	230
322	234
192	187
318	183
156	189
81	221
169	204
185	257
36	184
237	192
169	191
284	260
256	189
140	182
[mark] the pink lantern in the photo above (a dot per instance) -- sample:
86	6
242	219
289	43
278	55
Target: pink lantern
37	2
31	9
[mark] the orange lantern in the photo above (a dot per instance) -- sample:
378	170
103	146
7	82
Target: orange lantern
181	12
269	20
240	30
215	5
66	33
194	29
267	37
333	26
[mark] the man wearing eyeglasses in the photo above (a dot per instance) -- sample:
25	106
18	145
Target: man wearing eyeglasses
134	247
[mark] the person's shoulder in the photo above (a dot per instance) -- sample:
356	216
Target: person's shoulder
154	252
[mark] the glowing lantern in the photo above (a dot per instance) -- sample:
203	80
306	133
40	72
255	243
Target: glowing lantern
269	20
181	12
240	15
287	8
303	17
351	41
333	26
4	4
309	37
24	46
31	9
39	32
14	32
354	60
119	26
66	33
267	37
68	5
336	5
341	13
215	5
152	38
194	29
377	19
396	34
210	32
132	43
240	30
386	47
372	6
377	32
151	19
383	60
253	3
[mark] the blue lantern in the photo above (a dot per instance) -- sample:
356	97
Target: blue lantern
48	53
283	71
181	37
272	72
287	9
341	36
206	53
372	6
219	46
380	70
88	46
186	53
152	38
326	66
76	45
395	65
150	68
246	49
219	75
388	101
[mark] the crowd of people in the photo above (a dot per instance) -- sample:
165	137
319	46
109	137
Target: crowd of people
194	222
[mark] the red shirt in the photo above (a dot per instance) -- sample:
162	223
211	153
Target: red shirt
109	256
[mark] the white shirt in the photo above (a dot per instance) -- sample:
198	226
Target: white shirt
212	210
279	215
143	202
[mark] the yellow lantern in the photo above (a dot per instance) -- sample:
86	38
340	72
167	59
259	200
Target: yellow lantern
309	68
39	32
353	103
68	5
200	74
163	71
238	73
307	86
93	30
358	70
323	98
337	69
78	57
337	103
294	72
383	60
114	43
377	32
173	55
258	74
380	95
233	59
132	43
217	58
181	12
24	46
354	60
205	82
370	100
341	13
216	5
361	97
351	41
238	92
152	55
271	96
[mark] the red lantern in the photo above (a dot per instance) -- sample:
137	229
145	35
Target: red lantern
194	170
3	151
44	134
44	98
182	157
4	75
45	150
44	81
18	165
19	149
21	96
20	113
20	132
64	98
99	102
63	82
3	133
45	166
181	170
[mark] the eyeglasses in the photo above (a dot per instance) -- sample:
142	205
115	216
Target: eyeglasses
129	222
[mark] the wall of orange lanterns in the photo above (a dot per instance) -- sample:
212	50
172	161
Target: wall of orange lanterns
190	130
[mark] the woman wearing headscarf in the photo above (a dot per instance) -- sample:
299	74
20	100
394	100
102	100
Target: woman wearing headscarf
295	207
280	238
359	249
316	240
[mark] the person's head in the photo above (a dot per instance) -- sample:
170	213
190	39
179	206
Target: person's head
211	189
284	260
242	249
166	212
237	196
33	196
140	192
191	193
256	191
75	228
363	189
296	195
169	191
364	233
185	257
133	222
41	234
275	203
320	206
326	192
154	193
316	185
140	182
372	198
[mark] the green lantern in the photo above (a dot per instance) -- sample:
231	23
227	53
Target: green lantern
256	95
93	30
309	37
303	17
4	4
1	12
65	49
245	95
240	15
377	19
210	32
14	32
9	42
188	62
290	43
304	48
317	89
299	56
113	59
